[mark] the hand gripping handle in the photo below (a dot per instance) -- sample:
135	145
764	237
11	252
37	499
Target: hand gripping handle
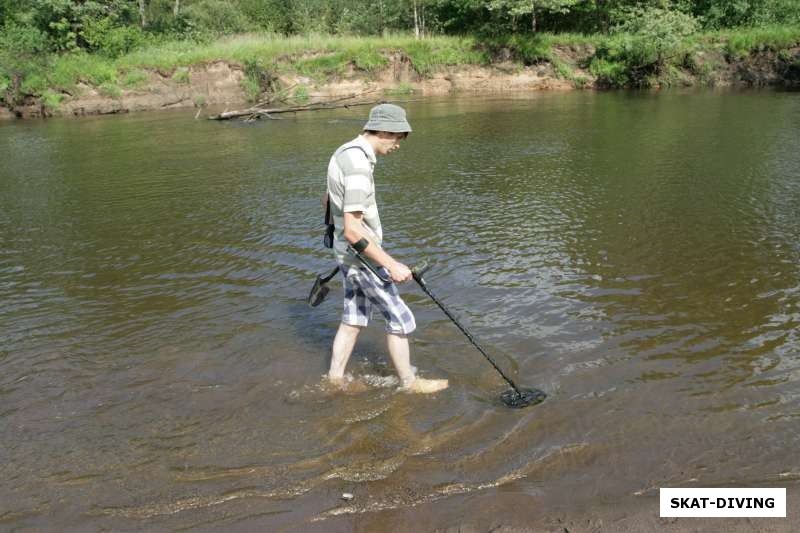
419	270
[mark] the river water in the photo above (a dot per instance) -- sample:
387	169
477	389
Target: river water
634	255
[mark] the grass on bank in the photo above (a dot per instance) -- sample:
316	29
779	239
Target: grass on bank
775	38
322	57
319	57
364	52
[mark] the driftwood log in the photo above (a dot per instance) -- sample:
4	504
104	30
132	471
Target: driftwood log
260	111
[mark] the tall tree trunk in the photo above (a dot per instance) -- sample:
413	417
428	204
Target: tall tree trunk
416	21
177	9
142	13
533	16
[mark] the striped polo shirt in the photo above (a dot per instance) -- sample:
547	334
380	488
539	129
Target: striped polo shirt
351	187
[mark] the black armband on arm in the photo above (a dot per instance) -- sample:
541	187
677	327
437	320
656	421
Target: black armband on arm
361	245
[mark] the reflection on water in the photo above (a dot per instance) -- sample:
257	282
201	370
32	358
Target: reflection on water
634	255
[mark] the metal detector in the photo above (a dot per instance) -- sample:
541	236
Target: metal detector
515	397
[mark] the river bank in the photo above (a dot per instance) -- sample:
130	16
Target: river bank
248	69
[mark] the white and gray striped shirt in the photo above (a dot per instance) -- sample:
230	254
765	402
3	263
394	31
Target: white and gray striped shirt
351	188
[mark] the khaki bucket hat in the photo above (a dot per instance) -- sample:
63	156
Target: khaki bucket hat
387	117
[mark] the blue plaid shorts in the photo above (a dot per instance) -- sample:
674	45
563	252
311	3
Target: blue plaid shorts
362	291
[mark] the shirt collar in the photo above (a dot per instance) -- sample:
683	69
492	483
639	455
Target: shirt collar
363	143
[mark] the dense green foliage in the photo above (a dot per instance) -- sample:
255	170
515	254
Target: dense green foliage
114	27
45	44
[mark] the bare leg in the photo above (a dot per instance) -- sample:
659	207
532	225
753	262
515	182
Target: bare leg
342	348
399	352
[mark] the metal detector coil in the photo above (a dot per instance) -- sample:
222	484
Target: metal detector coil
517	399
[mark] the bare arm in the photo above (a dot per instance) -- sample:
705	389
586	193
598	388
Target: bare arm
354	232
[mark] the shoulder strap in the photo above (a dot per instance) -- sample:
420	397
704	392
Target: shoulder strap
356	147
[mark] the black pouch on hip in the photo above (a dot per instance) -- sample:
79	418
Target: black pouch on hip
327	239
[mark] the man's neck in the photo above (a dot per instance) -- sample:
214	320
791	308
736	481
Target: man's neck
372	140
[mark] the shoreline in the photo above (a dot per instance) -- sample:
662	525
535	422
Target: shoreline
221	83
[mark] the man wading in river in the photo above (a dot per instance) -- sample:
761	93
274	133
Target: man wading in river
351	198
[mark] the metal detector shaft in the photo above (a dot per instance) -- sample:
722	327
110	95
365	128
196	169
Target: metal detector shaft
366	263
417	274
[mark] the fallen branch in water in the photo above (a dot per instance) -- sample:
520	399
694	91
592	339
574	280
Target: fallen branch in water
258	111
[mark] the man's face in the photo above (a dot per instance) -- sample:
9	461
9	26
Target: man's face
389	142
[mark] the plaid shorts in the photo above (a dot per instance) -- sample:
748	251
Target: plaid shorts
362	291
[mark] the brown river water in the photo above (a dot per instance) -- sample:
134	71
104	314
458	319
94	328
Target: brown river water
636	256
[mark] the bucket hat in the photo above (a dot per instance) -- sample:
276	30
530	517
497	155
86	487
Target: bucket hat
387	117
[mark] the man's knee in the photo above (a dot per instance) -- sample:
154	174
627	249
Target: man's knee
350	329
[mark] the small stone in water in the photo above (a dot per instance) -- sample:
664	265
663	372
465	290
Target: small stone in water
346	496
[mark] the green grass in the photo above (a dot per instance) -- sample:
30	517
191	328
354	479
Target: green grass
322	67
580	82
5	83
532	49
300	94
610	73
401	89
429	54
529	49
68	70
51	100
369	59
563	70
110	90
134	79
251	88
258	78
35	83
365	52
323	57
181	76
622	60
742	42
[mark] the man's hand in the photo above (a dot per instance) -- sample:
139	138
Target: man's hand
399	272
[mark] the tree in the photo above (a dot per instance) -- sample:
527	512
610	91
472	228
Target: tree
143	13
22	50
727	13
643	40
516	8
419	18
654	33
